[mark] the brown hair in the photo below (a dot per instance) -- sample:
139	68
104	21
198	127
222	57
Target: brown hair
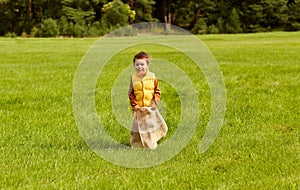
142	55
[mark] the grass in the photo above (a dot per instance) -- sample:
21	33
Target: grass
257	148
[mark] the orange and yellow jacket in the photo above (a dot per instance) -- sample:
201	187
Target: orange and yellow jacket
144	91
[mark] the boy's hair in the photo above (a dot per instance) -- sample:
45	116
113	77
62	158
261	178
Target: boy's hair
142	55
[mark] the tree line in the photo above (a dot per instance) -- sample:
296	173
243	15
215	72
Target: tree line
80	18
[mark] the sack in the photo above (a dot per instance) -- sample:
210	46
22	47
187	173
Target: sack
148	127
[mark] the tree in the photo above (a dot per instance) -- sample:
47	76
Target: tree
233	25
187	13
200	27
143	10
167	11
92	17
12	16
290	18
184	14
164	12
48	28
79	11
117	14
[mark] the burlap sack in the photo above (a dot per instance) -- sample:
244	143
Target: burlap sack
148	127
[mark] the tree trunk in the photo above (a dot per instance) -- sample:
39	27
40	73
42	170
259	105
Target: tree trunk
244	17
29	10
130	3
167	13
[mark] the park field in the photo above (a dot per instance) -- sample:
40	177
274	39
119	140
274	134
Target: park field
258	146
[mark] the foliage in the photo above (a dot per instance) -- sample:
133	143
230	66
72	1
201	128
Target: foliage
184	14
143	10
220	25
82	17
77	13
11	35
117	14
233	25
200	27
48	28
212	29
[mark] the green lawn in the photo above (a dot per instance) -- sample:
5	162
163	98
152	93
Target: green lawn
258	146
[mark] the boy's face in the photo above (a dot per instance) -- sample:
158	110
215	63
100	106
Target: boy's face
141	66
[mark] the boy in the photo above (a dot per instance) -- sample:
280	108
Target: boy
148	125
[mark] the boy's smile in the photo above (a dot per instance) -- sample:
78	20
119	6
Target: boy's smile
141	66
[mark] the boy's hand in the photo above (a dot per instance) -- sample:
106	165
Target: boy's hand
135	108
153	104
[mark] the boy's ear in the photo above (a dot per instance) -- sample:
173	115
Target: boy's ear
148	62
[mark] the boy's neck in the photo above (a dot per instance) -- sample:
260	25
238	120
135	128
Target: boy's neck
142	75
